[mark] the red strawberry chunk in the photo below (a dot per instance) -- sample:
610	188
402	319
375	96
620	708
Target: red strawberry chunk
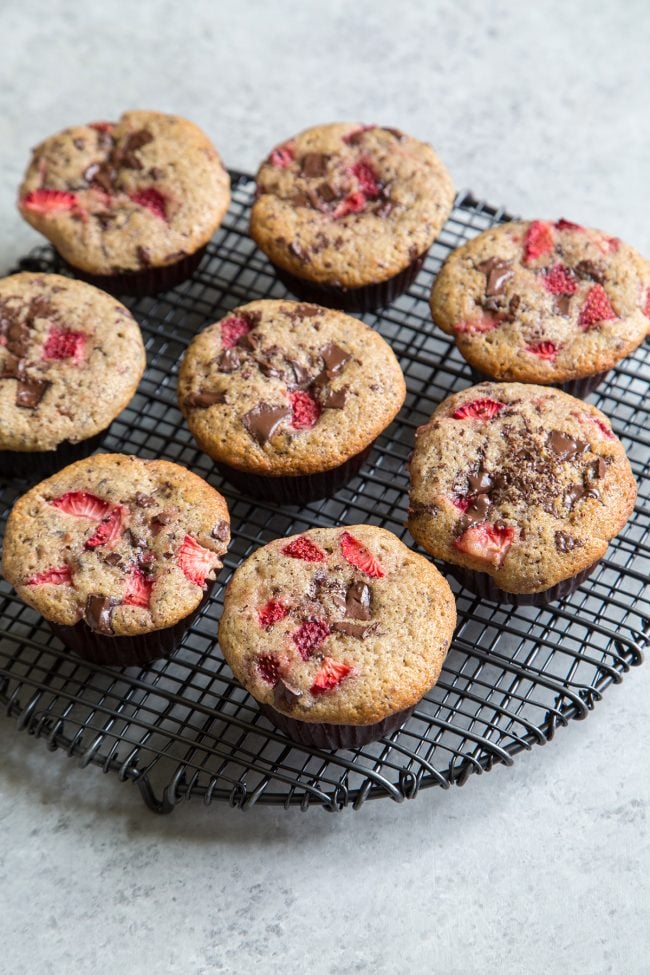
487	543
49	201
461	503
272	612
269	668
597	308
54	577
330	675
102	126
309	637
196	561
559	280
368	182
305	410
563	224
545	350
282	156
109	529
63	344
153	200
646	307
353	203
538	241
303	548
612	244
350	137
604	429
478	409
356	553
233	329
81	504
484	323
138	589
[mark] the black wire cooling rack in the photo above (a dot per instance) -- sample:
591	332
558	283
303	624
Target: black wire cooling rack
183	728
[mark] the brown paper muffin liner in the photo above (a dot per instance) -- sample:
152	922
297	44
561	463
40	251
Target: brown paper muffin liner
332	736
484	586
294	490
42	463
576	387
367	298
148	281
126	651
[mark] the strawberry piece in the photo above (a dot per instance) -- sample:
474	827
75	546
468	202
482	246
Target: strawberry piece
309	637
282	156
272	612
232	330
53	577
102	126
356	553
109	529
351	137
329	676
81	504
646	307
487	543
63	344
597	308
305	410
538	241
545	350
486	323
461	503
611	244
196	561
138	589
303	548
478	409
368	182
49	201
353	203
269	668
604	429
153	200
563	224
559	280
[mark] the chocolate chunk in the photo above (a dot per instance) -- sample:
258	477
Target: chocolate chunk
249	341
324	591
590	271
331	399
565	542
479	482
286	696
136	541
513	307
105	177
359	630
113	558
126	153
562	305
497	272
30	392
357	601
204	398
334	358
354	138
221	531
263	420
296	248
305	311
302	375
314	164
326	194
478	508
301	199
598	470
12	368
143	255
18	337
230	360
144	500
565	446
575	493
98	612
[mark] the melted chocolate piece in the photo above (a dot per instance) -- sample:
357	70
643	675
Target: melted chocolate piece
144	500
314	164
478	508
334	358
249	341
357	601
286	696
326	194
565	446
578	491
296	248
263	420
479	482
325	590
331	399
30	392
98	612
590	271
562	305
105	176
221	531
230	360
565	542
126	154
359	630
497	272
204	398
302	374
12	368
598	469
301	199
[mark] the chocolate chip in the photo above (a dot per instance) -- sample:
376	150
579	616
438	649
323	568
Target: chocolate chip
358	630
98	612
331	399
12	368
125	155
334	358
204	398
221	531
301	199
302	375
481	481
565	542
263	420
105	177
79	144
562	305
30	392
18	336
419	509
161	519
497	272
478	508
575	493
230	360
599	468
143	255
326	193
302	310
565	446
357	601
113	558
513	307
296	248
590	271
314	164
144	500
286	696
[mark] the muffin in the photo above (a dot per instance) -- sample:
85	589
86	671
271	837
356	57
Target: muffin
337	633
118	554
130	205
288	398
347	212
520	488
546	303
71	358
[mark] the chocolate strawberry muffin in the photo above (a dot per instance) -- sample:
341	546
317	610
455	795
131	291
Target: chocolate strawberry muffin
118	554
288	398
520	488
130	205
347	212
71	358
338	633
549	303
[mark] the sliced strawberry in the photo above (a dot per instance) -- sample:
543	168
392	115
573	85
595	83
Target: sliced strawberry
102	126
353	203
611	244
356	553
153	200
563	224
305	410
282	156
604	429
272	612
330	675
538	241
368	182
597	308
351	137
138	589
109	529
478	409
559	280
63	344
81	504
309	637
53	577
270	668
461	503
49	201
196	561
233	329
303	548
483	323
487	543
646	307
545	350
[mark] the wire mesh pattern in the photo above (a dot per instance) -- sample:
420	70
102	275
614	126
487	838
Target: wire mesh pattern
183	727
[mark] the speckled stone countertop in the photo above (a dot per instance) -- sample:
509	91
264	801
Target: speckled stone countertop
540	868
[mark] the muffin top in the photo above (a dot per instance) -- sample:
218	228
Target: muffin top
284	388
71	358
122	196
338	625
348	204
125	544
522	482
543	302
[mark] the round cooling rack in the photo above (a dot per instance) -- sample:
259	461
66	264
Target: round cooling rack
183	728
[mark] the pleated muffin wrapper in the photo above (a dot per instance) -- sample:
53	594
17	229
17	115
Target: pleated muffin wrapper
369	297
148	281
575	387
42	463
334	736
483	585
126	651
295	490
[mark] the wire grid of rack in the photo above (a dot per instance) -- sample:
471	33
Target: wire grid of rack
183	727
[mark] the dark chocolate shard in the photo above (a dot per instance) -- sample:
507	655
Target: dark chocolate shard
30	392
357	601
263	420
565	542
331	399
479	482
326	193
497	273
18	337
113	558
565	446
204	398
358	630
302	375
126	154
314	164
478	508
98	612
590	271
161	519
144	500
334	358
221	531
286	696
230	360
598	469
